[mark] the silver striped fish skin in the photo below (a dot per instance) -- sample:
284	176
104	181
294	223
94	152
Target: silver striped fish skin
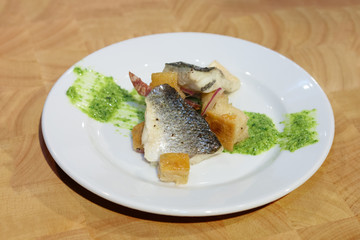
201	79
172	126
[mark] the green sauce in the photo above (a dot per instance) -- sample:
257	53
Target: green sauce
263	135
299	130
103	100
73	95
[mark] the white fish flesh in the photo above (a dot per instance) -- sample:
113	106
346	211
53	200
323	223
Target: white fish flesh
202	79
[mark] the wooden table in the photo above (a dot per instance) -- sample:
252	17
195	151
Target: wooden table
40	39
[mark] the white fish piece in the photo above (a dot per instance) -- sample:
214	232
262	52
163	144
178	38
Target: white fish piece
173	126
202	79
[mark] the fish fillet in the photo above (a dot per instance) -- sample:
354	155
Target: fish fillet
202	79
172	126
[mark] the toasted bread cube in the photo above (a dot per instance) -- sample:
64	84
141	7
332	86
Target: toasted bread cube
136	137
227	122
170	78
227	128
159	78
174	167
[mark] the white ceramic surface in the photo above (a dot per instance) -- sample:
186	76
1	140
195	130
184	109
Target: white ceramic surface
99	156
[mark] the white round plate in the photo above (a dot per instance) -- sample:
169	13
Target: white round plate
100	157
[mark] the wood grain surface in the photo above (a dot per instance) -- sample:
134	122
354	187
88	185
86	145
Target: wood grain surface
40	39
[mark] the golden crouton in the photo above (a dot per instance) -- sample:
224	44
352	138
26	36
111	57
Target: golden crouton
170	78
136	136
227	122
174	167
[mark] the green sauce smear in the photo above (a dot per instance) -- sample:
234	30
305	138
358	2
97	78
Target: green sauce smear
103	100
299	131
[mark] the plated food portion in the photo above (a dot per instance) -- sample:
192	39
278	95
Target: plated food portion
184	116
187	112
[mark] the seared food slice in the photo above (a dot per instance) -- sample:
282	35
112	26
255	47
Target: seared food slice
201	79
174	167
172	126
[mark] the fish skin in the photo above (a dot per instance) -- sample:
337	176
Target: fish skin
172	126
185	66
200	79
